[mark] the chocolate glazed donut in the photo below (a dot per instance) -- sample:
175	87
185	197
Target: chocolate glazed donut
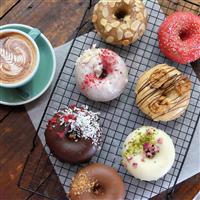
66	149
97	182
67	141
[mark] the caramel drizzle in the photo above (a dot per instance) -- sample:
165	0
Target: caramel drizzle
174	79
173	108
148	82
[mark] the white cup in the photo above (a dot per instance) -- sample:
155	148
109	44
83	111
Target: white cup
31	36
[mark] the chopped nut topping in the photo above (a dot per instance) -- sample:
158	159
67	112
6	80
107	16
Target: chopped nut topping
183	85
158	78
105	12
125	42
119	34
112	4
103	22
82	184
110	39
135	25
124	26
127	1
128	34
139	16
94	18
138	144
115	24
160	105
108	28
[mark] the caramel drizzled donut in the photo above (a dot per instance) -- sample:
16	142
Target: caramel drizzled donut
73	134
163	93
120	22
97	182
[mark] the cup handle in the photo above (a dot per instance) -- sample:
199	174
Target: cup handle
34	33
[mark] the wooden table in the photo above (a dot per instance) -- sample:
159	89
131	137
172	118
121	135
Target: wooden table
57	19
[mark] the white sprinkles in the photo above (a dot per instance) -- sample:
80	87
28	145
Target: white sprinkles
85	124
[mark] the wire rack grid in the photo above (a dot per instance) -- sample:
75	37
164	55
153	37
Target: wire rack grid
118	117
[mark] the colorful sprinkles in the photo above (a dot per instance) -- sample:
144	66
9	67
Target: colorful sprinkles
143	143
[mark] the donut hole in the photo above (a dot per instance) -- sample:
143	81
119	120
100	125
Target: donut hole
98	189
184	35
121	12
104	73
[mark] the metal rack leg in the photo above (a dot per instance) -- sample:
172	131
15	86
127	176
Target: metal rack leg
38	187
90	5
170	193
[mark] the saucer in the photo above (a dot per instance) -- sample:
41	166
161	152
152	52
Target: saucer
42	79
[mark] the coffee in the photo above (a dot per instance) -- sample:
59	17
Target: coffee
17	57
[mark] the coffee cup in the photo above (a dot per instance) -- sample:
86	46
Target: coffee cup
19	57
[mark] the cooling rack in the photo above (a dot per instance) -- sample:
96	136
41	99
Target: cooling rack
118	117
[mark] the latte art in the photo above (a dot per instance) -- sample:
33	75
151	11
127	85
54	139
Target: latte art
17	57
11	64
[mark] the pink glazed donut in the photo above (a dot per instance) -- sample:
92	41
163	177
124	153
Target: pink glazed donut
101	75
179	37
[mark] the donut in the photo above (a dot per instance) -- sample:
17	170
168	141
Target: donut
120	22
97	182
101	75
148	153
179	37
73	134
163	93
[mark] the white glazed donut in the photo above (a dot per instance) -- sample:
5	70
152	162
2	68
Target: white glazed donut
148	153
101	75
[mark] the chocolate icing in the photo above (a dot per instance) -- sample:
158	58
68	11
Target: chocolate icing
97	182
67	145
67	149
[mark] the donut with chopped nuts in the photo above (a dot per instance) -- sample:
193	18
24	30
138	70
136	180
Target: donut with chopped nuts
73	134
120	22
148	153
97	182
163	93
101	74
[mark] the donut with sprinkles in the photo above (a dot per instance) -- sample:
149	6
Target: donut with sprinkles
73	134
179	37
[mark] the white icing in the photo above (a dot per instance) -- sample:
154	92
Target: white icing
91	57
151	169
86	123
105	89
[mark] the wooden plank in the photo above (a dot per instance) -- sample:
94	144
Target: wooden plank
15	142
185	190
170	6
57	19
4	112
6	5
